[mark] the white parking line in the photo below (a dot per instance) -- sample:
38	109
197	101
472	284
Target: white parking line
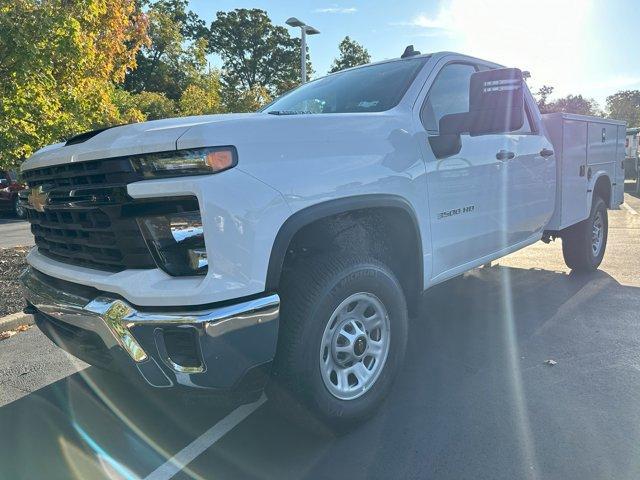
189	453
629	209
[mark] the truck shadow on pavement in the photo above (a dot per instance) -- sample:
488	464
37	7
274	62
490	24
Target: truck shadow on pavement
475	400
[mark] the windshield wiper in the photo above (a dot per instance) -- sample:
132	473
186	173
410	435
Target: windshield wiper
288	112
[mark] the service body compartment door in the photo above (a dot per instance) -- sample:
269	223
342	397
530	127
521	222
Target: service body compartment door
569	138
603	139
573	165
601	153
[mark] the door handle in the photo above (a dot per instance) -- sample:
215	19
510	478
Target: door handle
505	155
545	152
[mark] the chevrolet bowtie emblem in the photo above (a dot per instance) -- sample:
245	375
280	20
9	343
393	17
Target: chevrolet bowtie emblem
38	199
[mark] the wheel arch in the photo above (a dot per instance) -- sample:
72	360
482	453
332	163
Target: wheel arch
602	187
324	210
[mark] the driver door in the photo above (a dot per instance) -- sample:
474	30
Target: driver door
465	190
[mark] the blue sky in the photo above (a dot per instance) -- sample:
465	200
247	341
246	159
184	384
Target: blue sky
577	46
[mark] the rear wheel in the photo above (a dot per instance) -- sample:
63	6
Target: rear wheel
584	244
342	339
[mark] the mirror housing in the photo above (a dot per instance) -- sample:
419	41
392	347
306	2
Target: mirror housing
4	182
496	101
445	145
496	105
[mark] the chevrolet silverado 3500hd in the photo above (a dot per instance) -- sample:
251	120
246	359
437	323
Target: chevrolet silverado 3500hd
284	248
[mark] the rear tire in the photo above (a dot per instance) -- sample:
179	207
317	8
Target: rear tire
584	244
338	315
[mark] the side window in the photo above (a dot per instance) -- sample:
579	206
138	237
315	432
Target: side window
448	94
526	126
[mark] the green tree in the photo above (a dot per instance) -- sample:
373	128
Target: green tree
569	104
244	100
352	54
625	105
59	60
176	53
202	97
542	97
575	104
154	105
255	52
127	108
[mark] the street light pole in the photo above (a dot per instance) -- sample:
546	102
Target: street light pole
304	30
303	55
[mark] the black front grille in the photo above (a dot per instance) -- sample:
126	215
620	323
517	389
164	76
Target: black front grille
84	221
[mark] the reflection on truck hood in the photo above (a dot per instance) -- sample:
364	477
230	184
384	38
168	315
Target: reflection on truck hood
144	137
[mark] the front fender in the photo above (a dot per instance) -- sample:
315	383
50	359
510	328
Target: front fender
328	208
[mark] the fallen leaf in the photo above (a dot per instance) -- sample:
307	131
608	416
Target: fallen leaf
7	334
23	328
550	362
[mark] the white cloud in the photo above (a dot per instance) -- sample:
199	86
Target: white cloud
547	37
442	20
336	10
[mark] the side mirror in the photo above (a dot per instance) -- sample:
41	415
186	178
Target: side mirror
496	101
444	145
496	105
4	183
448	142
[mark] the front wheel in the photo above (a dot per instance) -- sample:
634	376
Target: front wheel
584	244
342	340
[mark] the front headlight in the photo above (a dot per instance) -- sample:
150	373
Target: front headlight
197	161
176	241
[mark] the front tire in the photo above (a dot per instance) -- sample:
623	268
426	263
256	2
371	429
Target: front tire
343	335
584	244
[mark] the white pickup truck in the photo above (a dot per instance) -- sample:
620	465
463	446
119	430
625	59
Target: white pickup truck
286	248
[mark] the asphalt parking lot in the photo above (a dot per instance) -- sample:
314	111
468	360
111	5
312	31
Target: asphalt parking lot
14	232
475	399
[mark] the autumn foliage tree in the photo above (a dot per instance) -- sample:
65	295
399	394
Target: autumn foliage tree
59	62
175	54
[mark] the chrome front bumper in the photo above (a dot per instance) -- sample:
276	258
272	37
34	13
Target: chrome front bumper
230	340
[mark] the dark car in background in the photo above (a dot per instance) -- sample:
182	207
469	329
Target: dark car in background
10	185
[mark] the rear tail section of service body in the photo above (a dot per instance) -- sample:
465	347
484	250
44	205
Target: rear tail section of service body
586	149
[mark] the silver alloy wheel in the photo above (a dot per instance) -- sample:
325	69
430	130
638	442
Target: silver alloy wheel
354	346
597	233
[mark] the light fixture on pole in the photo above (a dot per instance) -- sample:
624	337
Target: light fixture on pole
305	30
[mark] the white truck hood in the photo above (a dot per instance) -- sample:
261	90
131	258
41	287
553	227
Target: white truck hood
145	137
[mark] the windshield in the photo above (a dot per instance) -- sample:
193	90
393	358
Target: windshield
375	88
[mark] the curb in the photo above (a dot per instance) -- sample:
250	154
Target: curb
11	322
